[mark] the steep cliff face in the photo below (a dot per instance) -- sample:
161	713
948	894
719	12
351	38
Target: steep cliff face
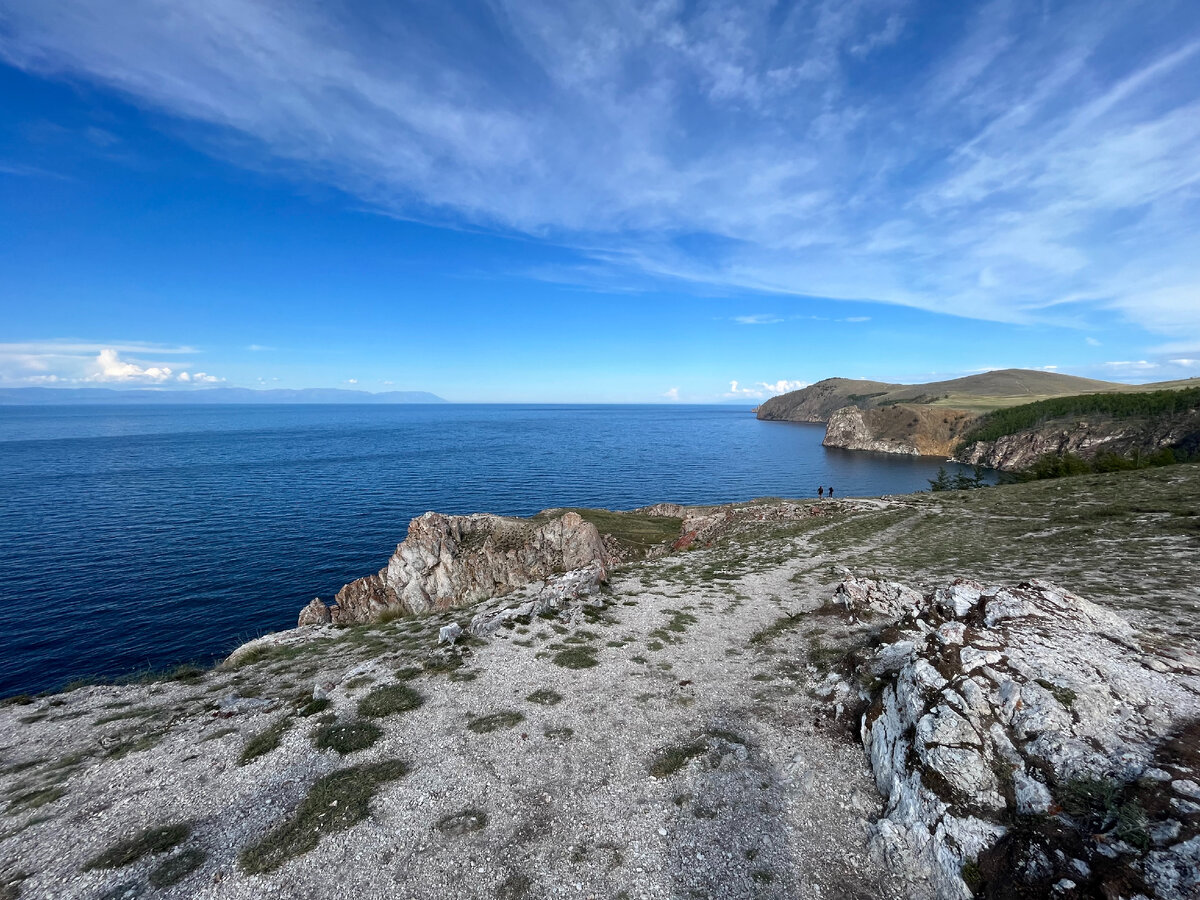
1083	437
901	428
454	560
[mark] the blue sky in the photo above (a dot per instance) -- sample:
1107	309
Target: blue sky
596	202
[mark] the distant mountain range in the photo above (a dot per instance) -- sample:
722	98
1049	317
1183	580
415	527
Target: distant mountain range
40	396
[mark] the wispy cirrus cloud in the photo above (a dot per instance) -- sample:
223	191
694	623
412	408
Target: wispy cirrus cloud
1041	165
758	319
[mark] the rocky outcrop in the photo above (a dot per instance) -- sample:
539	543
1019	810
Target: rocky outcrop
1022	734
901	428
455	560
316	613
576	589
1083	437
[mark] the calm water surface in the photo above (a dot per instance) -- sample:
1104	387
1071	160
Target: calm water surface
134	537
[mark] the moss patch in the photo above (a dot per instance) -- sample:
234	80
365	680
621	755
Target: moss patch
545	696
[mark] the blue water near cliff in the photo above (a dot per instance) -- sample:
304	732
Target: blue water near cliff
133	537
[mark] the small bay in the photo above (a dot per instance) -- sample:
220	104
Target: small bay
136	537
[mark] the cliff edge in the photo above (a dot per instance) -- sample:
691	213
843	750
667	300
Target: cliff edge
745	718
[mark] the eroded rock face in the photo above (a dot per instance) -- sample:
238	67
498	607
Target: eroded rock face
1029	701
1015	452
907	429
455	560
848	429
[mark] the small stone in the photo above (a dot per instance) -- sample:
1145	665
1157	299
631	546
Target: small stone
1164	833
448	634
1033	798
1187	788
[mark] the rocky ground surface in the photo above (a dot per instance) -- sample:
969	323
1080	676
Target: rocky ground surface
694	727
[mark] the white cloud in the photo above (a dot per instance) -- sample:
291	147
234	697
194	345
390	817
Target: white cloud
82	362
110	367
735	391
1133	365
1092	342
782	386
763	389
671	393
1186	363
758	319
1023	167
350	381
857	319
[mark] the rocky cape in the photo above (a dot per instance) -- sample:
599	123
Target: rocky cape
924	420
735	710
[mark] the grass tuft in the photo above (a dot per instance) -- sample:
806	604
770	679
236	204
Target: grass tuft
670	760
508	718
334	803
312	707
346	737
265	741
545	696
576	658
389	700
144	843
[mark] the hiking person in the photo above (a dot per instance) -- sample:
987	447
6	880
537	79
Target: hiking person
821	491
831	492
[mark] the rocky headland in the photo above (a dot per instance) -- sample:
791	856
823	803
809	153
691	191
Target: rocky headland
989	693
939	418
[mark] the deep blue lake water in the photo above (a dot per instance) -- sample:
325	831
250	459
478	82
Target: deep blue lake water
133	537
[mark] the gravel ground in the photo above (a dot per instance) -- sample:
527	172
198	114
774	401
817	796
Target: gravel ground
770	797
693	759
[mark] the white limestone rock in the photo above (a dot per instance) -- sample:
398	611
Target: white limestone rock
1030	682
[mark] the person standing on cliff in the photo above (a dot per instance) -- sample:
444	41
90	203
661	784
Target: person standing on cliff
821	491
831	492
